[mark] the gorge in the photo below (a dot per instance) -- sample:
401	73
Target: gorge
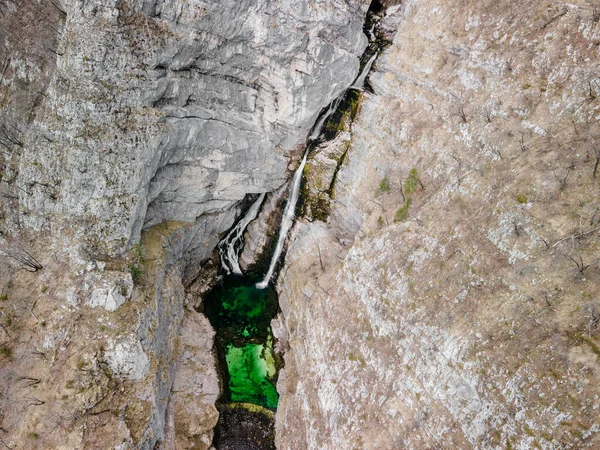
241	311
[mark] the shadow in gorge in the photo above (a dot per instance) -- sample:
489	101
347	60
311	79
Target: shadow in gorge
243	427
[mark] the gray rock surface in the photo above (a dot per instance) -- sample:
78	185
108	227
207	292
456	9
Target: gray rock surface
175	111
127	359
126	115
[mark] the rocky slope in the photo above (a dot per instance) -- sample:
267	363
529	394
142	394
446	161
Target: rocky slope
451	297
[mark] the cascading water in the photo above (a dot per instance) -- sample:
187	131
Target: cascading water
230	247
287	219
241	306
359	83
316	131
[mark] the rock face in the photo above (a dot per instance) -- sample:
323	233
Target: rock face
176	110
450	300
192	414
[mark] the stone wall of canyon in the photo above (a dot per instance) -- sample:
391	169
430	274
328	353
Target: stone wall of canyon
450	299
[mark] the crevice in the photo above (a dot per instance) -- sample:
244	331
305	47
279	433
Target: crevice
241	315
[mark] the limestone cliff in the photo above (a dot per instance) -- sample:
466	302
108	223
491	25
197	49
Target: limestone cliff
173	110
451	297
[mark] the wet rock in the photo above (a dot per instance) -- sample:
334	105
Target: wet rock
259	234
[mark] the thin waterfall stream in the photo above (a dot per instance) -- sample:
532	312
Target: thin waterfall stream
360	81
242	305
230	247
287	220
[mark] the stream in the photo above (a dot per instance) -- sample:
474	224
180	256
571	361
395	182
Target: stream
241	306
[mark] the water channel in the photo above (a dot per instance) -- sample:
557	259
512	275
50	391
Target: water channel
241	306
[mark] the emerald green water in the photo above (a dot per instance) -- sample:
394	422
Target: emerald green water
251	371
241	316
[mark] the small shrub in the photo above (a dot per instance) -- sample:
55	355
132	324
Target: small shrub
138	253
521	198
411	182
357	358
384	184
3	297
44	289
526	86
69	384
402	213
5	351
380	222
33	435
136	274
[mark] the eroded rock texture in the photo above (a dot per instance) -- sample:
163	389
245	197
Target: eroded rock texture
451	298
176	110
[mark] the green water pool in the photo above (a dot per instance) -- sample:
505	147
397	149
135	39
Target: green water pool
251	372
241	315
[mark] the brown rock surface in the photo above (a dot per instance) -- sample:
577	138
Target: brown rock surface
192	415
465	317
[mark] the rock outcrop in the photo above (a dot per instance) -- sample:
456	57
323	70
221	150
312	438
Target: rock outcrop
450	300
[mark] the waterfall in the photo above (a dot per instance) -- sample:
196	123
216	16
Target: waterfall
294	191
287	220
360	80
229	248
371	34
316	131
